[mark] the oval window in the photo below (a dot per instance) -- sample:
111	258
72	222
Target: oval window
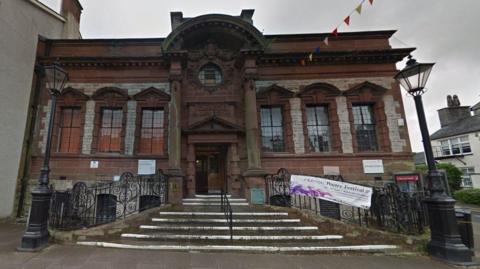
210	75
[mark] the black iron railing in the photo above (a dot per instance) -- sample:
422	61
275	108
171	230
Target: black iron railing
103	202
226	208
391	209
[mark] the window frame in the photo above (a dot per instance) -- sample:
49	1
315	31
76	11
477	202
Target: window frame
449	143
111	127
61	130
329	136
371	109
272	127
163	130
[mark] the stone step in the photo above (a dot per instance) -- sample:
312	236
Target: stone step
216	200
227	237
210	196
213	204
237	214
226	228
224	220
246	248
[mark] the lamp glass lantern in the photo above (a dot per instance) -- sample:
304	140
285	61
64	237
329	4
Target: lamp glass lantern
55	77
414	76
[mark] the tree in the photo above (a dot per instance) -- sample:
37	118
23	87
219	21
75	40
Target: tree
454	175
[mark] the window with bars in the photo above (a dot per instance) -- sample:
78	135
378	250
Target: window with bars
69	130
110	130
152	131
365	130
210	75
455	146
272	129
318	128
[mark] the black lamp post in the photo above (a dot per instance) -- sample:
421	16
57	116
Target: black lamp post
445	242
36	234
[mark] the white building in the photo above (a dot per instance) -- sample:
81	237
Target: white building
458	140
22	23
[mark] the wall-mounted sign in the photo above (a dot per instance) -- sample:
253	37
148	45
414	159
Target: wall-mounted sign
93	164
407	177
116	178
146	167
331	170
372	166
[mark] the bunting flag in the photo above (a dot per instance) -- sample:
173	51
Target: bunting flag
326	41
359	8
335	32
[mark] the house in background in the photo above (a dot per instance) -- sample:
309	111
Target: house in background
458	140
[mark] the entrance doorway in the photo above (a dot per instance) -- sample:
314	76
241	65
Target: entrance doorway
210	168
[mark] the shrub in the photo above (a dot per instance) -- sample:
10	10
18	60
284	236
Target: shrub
468	196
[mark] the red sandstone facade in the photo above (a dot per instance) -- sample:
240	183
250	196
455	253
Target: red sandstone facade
213	127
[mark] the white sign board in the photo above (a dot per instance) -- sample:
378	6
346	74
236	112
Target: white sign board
93	164
331	190
331	170
146	167
372	166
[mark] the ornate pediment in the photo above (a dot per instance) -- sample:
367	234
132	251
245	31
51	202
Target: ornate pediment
214	124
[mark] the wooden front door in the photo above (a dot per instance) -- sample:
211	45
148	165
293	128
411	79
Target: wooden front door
210	169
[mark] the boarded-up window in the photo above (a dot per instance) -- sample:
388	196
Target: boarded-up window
152	132
110	130
70	129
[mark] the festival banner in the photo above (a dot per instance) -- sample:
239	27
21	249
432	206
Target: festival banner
331	190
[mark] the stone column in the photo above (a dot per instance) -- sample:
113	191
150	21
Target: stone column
235	184
190	185
174	171
254	176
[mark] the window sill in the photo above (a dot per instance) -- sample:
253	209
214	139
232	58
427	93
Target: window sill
453	155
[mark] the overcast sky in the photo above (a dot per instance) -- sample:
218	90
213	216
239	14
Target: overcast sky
443	31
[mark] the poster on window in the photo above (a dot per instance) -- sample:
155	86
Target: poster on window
331	190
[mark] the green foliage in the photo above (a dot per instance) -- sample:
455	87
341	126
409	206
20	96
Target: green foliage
468	196
454	175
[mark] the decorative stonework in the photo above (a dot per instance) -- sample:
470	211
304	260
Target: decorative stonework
297	125
342	84
133	88
130	128
397	143
344	124
88	127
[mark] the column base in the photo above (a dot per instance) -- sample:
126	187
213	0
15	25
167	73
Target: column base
446	243
255	186
175	190
36	235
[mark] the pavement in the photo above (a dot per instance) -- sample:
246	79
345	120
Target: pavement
77	257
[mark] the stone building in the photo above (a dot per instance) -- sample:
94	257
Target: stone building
218	104
22	24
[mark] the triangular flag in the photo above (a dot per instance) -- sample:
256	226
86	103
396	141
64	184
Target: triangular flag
310	57
302	62
359	9
371	2
335	32
317	50
326	40
347	20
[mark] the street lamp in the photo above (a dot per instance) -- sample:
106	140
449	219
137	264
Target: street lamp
36	234
445	242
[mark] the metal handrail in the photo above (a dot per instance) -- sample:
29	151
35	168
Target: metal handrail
226	208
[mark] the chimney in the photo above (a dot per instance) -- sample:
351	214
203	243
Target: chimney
453	112
476	109
247	15
176	18
72	7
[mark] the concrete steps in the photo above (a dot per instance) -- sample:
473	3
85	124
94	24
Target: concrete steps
200	226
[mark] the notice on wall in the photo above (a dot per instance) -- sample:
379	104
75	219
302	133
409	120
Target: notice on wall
93	164
331	190
146	167
372	166
331	170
